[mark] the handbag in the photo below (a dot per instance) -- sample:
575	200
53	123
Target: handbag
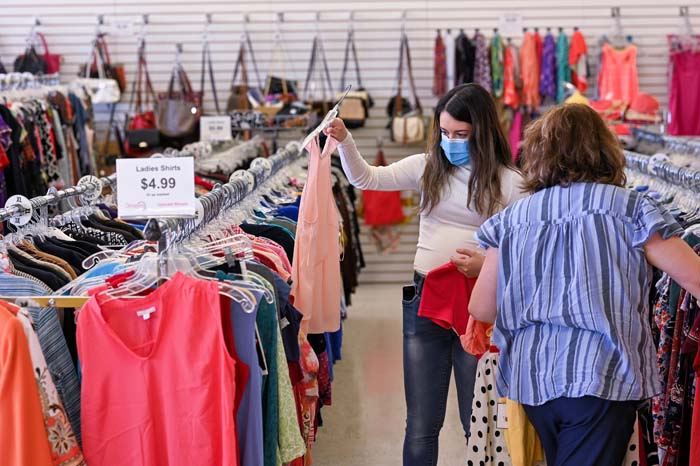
238	100
102	90
354	110
382	207
141	133
319	101
177	113
32	62
406	127
110	71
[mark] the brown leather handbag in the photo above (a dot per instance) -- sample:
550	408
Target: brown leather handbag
355	107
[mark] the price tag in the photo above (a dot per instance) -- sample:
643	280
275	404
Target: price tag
215	128
510	25
159	187
122	28
502	416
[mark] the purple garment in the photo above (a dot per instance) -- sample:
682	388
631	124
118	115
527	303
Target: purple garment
482	66
548	73
5	135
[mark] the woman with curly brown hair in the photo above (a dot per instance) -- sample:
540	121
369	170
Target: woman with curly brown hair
566	280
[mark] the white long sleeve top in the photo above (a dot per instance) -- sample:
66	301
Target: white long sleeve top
449	225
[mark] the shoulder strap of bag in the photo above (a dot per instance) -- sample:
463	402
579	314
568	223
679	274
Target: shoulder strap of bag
409	65
44	43
240	64
398	101
312	66
350	48
206	60
249	44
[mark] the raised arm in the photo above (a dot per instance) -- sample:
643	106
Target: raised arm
402	175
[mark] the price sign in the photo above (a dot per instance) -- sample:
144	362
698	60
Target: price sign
156	187
122	28
510	25
215	128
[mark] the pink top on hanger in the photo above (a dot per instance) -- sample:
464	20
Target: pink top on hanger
158	382
316	286
618	78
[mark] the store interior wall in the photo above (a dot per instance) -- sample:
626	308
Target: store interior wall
70	24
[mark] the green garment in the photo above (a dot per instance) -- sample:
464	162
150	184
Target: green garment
497	71
563	68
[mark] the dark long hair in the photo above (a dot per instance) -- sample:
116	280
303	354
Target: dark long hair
488	147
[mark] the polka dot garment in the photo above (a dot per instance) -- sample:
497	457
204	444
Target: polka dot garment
487	444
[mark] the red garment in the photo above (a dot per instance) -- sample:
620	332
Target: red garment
618	78
158	383
539	46
530	71
577	52
440	68
510	93
516	134
695	430
684	94
445	298
4	160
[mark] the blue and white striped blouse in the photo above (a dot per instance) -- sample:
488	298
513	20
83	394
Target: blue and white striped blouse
573	288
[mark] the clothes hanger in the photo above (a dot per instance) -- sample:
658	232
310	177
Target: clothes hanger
333	113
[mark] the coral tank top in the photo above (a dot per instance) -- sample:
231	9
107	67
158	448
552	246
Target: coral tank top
158	382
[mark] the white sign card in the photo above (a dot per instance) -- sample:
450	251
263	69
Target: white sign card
155	187
510	25
215	128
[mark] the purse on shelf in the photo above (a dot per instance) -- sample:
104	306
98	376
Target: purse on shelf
102	89
279	91
319	101
354	110
407	125
141	136
109	70
32	62
178	112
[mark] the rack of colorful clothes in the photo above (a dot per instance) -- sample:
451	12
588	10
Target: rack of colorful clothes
46	134
159	384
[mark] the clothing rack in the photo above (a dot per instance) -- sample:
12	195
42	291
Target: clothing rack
221	198
675	144
53	198
673	174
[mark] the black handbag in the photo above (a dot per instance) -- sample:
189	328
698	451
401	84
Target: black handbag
30	62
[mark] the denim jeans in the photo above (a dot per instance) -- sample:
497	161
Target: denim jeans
429	354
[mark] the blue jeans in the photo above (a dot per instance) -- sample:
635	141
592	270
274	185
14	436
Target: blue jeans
429	354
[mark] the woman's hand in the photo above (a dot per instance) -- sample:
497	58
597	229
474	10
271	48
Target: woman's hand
337	130
468	262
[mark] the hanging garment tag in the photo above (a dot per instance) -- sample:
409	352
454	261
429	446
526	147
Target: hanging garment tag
283	323
146	313
156	187
502	416
215	128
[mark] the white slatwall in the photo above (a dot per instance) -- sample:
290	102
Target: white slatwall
70	24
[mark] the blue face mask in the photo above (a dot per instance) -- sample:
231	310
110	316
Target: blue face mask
456	150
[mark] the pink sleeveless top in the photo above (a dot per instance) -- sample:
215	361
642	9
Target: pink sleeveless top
158	382
316	286
618	79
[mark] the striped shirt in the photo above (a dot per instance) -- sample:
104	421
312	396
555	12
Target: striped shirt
573	287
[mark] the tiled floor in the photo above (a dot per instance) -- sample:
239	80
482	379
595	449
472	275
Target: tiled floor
365	425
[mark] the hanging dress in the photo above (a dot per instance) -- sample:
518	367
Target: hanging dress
316	278
530	71
439	68
497	52
563	69
548	70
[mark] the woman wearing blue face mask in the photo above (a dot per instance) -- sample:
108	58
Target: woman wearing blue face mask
466	176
